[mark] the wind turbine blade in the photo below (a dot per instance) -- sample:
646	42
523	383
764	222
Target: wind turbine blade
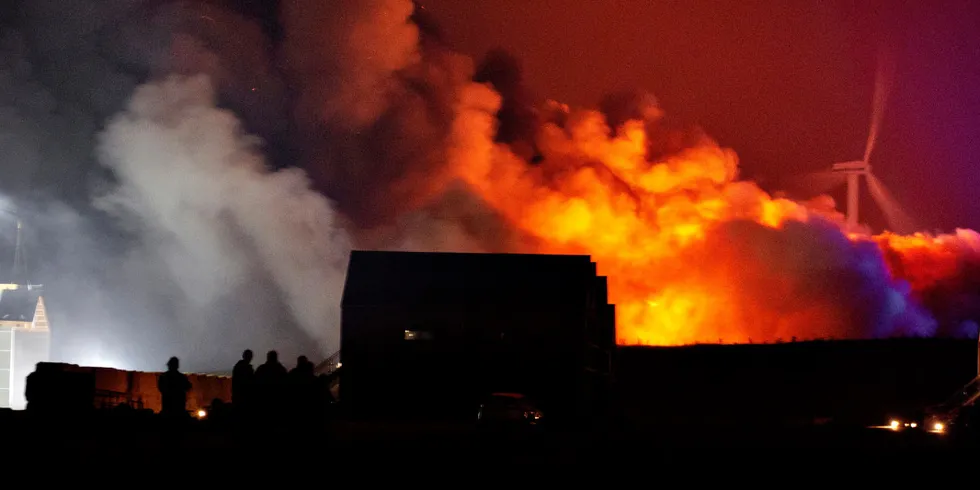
818	182
884	74
898	220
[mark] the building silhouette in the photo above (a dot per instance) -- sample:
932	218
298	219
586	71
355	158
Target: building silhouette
428	335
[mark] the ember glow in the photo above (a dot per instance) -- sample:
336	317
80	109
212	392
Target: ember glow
692	253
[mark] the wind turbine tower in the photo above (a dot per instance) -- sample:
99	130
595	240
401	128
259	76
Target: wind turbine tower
853	171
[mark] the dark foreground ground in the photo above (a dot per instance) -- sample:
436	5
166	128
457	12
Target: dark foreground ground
346	442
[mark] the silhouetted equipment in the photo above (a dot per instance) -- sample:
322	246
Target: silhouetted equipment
76	387
330	365
430	335
948	412
329	372
61	388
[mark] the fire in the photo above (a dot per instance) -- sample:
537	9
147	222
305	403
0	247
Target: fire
925	260
693	254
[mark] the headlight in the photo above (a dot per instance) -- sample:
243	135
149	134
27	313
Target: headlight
202	413
894	424
939	427
913	425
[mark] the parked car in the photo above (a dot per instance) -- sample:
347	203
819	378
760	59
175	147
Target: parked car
511	409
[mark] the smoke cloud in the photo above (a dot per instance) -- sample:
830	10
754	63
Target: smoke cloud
196	190
196	172
374	109
692	254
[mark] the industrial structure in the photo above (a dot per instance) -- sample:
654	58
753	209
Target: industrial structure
427	335
72	387
25	334
963	400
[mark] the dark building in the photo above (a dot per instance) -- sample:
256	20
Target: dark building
430	334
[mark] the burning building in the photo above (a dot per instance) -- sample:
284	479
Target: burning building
428	334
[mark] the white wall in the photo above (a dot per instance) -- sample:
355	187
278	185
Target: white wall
30	348
6	374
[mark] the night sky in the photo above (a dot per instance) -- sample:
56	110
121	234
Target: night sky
787	84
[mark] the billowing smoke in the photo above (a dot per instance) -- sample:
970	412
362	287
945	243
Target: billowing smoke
944	270
374	111
197	191
692	253
156	147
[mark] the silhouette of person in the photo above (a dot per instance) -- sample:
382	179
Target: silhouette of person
243	383
302	385
270	383
173	386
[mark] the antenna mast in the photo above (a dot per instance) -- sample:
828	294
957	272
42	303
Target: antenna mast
19	268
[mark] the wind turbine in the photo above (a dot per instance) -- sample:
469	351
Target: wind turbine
852	171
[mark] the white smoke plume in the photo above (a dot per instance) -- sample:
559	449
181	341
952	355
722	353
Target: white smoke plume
196	189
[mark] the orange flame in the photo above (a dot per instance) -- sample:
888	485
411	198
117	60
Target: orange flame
926	261
662	231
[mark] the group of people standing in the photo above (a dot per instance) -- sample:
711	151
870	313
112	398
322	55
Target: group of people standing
268	393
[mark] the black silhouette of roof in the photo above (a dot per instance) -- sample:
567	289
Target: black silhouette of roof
424	278
18	305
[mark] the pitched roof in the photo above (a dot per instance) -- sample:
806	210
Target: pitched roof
18	305
399	278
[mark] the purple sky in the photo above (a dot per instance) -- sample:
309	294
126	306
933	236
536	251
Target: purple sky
786	83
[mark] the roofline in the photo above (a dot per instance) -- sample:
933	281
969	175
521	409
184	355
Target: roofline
508	254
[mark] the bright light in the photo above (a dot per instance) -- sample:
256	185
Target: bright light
202	413
938	427
94	353
339	364
914	425
97	361
894	424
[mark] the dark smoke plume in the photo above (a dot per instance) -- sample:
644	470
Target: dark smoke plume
168	224
518	122
196	171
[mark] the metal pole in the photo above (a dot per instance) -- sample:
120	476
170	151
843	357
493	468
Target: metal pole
852	200
18	258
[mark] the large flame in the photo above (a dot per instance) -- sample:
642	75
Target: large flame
693	254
